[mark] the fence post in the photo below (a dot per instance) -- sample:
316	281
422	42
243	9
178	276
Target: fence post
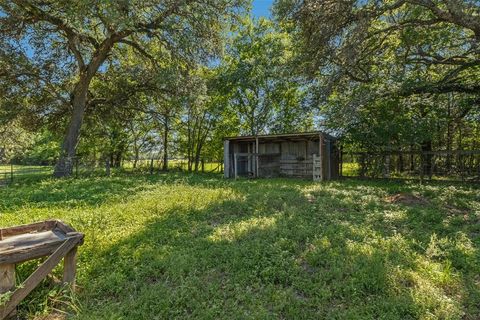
151	166
11	173
386	166
340	171
235	165
203	165
362	165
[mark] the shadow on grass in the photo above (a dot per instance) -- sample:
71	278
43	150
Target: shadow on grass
272	253
275	249
90	191
441	233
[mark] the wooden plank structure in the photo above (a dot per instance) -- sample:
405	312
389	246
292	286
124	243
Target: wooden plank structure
52	239
311	155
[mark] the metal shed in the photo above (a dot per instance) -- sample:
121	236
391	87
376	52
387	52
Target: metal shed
310	155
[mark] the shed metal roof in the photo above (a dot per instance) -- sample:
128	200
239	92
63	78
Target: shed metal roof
285	136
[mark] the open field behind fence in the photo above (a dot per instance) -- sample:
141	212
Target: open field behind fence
12	172
173	164
460	166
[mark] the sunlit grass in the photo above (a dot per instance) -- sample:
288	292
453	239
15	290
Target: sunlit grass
173	164
197	246
232	231
350	169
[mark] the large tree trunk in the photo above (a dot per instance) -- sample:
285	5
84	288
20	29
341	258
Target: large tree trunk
198	151
189	144
118	158
400	168
135	160
197	161
448	164
427	158
65	164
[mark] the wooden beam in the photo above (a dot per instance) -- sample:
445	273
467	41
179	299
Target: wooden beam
249	158
33	227
32	245
70	267
256	157
7	281
340	162
35	245
226	159
235	165
320	153
37	276
329	156
244	154
7	277
63	226
316	167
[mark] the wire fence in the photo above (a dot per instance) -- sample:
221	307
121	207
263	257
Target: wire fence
462	165
459	165
10	172
173	164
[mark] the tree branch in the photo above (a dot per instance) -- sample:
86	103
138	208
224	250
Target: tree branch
139	48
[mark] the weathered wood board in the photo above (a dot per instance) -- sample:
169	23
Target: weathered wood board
52	239
19	248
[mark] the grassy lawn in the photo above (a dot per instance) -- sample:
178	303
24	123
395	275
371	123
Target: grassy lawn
196	246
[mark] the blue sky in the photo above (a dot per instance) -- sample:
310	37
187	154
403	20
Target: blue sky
261	8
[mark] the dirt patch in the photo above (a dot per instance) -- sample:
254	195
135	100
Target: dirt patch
52	316
310	198
456	211
463	213
406	199
307	268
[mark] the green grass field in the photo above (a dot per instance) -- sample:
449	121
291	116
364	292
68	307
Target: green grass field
199	247
23	172
350	169
32	172
173	164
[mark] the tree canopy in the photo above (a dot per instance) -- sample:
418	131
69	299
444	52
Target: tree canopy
77	38
391	75
120	80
